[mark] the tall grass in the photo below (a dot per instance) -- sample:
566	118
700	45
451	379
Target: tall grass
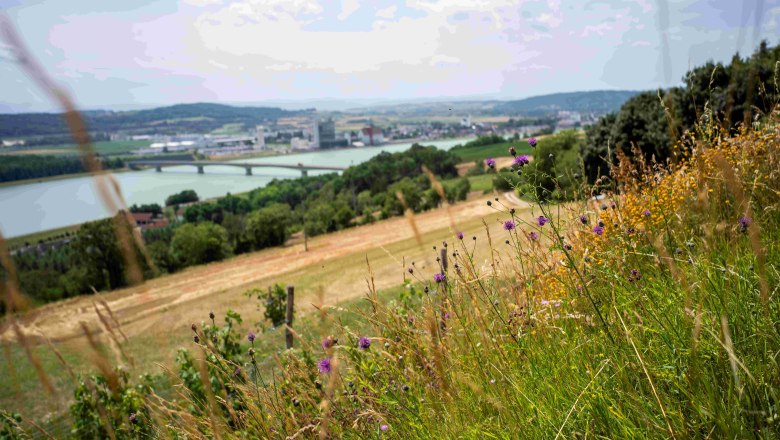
648	314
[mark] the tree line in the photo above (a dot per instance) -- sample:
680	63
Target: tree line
34	167
733	95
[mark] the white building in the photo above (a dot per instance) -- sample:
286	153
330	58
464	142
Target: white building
297	143
371	136
260	142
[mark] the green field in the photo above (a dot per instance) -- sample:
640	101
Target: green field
482	182
482	152
103	148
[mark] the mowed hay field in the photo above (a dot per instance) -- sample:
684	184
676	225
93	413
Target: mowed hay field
155	317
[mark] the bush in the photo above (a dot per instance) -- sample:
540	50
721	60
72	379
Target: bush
99	399
198	244
269	226
552	174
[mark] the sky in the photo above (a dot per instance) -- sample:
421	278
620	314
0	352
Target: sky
124	53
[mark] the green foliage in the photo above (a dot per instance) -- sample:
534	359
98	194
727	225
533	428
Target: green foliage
35	166
153	208
186	196
458	191
552	174
487	146
506	181
11	427
198	244
274	302
222	359
269	226
381	171
327	216
96	248
734	94
99	401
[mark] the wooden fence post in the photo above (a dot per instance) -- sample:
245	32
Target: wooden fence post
290	303
444	260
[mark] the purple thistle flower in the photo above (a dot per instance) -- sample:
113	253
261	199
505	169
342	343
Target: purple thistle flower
522	160
567	246
237	372
132	418
542	220
509	225
533	235
490	162
459	235
646	212
383	427
328	342
324	366
439	277
584	219
251	337
598	230
532	141
196	339
744	222
364	343
545	302
613	205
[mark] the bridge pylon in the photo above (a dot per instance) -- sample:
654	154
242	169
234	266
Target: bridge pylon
248	171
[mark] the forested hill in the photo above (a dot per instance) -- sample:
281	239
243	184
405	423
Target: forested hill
173	119
598	101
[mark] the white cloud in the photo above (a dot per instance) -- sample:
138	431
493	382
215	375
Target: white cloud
387	12
294	49
348	7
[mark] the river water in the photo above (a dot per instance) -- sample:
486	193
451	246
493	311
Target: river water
35	207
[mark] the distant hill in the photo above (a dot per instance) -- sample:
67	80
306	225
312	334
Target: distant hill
599	101
178	118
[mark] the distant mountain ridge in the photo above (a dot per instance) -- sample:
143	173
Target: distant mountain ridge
172	119
205	117
597	101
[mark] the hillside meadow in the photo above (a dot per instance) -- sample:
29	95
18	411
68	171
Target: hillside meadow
649	313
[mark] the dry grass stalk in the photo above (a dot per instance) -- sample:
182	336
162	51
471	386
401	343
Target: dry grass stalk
108	189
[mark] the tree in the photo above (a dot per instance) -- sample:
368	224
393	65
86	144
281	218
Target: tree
153	208
730	96
556	162
268	226
96	248
186	196
201	243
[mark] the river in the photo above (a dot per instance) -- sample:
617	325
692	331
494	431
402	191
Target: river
36	207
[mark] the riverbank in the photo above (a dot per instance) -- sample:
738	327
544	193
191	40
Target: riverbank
232	157
62	201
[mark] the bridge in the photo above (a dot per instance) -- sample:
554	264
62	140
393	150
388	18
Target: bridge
160	164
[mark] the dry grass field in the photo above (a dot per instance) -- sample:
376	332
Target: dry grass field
156	316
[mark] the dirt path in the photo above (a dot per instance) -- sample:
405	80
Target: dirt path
335	265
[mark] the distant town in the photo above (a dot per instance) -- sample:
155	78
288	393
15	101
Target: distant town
214	130
286	136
